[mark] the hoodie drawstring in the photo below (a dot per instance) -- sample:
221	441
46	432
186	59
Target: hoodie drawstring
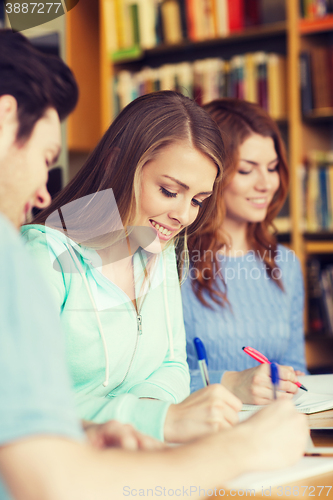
166	304
83	275
100	326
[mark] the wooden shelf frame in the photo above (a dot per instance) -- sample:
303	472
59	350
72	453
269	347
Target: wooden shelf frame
318	247
313	26
87	55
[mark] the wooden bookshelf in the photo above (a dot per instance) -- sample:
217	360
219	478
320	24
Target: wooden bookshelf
83	56
318	247
311	26
257	32
87	53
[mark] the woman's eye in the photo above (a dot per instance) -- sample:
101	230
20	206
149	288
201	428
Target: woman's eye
274	169
244	172
197	203
167	193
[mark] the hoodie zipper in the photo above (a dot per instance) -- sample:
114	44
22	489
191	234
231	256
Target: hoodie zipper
139	332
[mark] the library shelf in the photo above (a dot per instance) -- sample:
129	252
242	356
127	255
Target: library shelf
319	115
313	26
319	247
259	32
89	57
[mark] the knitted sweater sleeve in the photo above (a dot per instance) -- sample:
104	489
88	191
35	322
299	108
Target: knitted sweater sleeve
294	353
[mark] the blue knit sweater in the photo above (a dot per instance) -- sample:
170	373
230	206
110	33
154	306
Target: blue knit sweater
261	316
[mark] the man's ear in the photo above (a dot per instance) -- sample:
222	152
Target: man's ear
8	110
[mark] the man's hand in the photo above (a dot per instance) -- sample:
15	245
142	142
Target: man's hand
116	435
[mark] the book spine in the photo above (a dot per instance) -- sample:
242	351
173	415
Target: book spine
262	85
171	22
251	13
250	87
236	15
323	197
318	318
190	16
110	26
320	76
147	16
306	84
183	18
328	298
330	194
222	18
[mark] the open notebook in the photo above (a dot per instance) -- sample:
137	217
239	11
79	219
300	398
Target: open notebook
312	401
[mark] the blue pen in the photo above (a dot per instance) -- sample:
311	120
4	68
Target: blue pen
202	360
274	376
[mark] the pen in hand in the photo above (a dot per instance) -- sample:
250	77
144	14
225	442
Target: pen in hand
274	377
262	359
202	360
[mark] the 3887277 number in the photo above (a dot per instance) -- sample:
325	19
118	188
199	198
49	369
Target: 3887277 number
31	8
309	491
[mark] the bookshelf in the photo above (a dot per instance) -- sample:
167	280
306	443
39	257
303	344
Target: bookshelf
88	55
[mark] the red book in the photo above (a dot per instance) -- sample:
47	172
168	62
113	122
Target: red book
190	17
236	15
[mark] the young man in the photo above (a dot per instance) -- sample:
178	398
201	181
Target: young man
43	454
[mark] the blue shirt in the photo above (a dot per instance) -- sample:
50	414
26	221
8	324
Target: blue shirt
35	394
260	315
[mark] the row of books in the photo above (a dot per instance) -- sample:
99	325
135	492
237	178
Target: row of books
147	23
320	293
257	77
318	192
312	9
316	69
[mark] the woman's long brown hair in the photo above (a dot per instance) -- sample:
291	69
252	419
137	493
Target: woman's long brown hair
141	130
237	120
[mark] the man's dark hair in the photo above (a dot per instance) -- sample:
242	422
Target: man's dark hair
36	80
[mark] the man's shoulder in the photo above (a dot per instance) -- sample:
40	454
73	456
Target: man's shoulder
9	234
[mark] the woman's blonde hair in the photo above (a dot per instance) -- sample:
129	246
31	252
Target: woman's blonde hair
137	135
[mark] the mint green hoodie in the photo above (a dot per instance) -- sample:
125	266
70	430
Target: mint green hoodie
143	357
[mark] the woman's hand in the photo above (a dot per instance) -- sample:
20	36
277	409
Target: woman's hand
207	410
254	386
117	435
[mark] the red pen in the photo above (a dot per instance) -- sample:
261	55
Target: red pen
262	359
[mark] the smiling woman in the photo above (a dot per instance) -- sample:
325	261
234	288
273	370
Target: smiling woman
246	289
174	187
106	246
